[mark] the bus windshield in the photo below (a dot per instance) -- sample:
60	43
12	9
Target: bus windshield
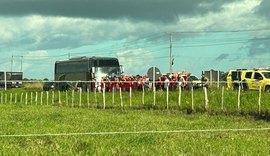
107	72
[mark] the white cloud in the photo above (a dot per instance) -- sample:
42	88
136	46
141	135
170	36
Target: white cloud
135	61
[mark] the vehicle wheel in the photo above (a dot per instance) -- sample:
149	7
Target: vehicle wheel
267	89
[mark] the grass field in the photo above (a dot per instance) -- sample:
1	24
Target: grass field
25	117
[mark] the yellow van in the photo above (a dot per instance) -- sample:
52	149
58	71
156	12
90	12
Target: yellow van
250	79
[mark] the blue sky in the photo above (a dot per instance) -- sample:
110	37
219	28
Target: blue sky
206	34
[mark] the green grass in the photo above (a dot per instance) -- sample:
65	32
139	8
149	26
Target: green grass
60	118
55	120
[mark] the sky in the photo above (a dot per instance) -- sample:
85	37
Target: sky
205	34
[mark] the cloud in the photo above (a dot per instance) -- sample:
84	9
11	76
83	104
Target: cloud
263	8
135	60
150	10
259	47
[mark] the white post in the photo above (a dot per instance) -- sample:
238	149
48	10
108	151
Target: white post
80	91
121	98
36	99
66	98
59	98
72	99
154	90
130	96
5	98
222	98
259	101
239	96
41	98
88	103
15	98
205	99
218	79
5	77
192	98
10	100
143	95
167	98
47	97
1	98
113	95
179	96
31	98
21	98
104	98
52	97
95	96
26	98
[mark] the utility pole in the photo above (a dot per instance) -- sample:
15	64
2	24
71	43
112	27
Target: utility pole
171	68
21	62
11	63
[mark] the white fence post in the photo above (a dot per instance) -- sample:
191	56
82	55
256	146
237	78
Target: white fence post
41	98
52	97
205	99
143	95
104	98
36	99
130	96
15	98
192	99
167	97
113	90
10	100
179	96
26	98
59	98
239	97
47	97
259	101
72	99
222	98
66	98
88	103
121	98
154	91
95	96
80	91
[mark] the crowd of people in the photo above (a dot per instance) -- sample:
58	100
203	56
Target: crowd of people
164	82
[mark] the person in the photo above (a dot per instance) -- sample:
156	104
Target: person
189	84
204	81
166	83
181	81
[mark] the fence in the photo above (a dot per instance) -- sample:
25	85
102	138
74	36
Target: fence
214	99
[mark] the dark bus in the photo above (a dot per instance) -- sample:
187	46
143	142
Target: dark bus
14	79
84	69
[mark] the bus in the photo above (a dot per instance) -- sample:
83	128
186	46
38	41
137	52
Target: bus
84	70
13	79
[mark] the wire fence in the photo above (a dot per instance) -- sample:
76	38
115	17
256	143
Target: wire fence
216	97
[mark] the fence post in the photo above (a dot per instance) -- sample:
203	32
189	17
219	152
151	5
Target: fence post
88	103
130	96
206	106
10	100
31	98
143	94
21	98
222	98
15	98
52	97
192	99
154	90
66	98
113	90
167	97
47	97
80	91
259	101
179	97
41	98
239	96
121	98
95	96
72	99
36	99
104	98
59	98
26	98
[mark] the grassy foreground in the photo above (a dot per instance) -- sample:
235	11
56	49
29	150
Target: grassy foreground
32	119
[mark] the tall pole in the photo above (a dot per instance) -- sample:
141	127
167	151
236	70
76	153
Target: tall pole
11	63
21	62
170	53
